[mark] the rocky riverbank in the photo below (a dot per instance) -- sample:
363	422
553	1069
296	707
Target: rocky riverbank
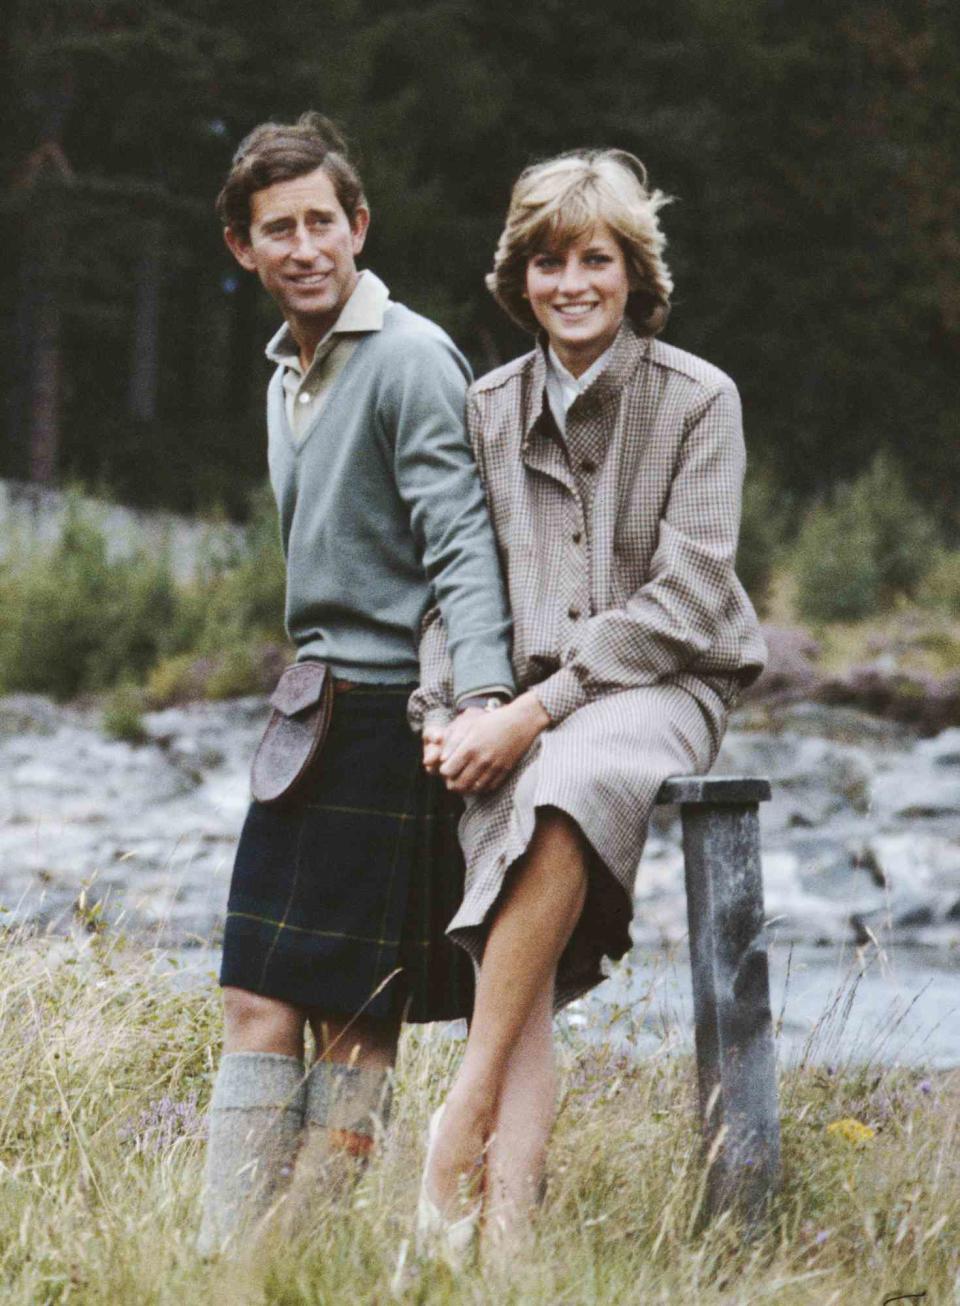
861	840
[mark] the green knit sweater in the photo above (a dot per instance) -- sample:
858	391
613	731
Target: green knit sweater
382	514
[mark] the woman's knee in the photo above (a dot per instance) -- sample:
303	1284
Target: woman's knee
558	846
256	1023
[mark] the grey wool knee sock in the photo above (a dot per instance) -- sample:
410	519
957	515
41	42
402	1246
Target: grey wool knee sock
255	1124
346	1106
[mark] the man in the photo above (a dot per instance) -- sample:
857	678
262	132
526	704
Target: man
340	895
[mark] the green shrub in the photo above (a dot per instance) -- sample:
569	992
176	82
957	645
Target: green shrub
74	620
173	680
123	715
834	562
940	587
236	672
761	533
240	588
905	537
858	553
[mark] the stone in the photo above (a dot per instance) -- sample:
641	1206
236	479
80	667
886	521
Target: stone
926	702
790	672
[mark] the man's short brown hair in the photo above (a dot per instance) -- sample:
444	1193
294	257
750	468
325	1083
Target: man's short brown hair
277	151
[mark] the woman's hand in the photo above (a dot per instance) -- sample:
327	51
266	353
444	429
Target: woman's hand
433	737
480	749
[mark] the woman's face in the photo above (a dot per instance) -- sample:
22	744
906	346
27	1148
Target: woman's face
579	295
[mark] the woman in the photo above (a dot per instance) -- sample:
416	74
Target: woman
613	467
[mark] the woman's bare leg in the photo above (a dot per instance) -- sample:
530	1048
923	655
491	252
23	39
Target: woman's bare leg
526	1110
541	909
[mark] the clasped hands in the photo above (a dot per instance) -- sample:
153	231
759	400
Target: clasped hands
477	751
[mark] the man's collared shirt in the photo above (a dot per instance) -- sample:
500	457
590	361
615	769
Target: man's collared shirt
306	393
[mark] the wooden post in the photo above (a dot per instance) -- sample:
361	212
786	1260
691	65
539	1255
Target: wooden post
736	1067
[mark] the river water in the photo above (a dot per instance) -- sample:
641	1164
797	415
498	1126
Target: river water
861	860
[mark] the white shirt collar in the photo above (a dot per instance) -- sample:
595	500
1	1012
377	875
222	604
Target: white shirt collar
577	383
363	311
563	387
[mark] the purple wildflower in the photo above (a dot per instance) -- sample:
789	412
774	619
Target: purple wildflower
163	1122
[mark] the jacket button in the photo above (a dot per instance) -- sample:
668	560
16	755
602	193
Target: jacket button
576	537
588	465
573	613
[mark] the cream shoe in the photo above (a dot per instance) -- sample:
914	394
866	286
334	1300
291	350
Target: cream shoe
437	1235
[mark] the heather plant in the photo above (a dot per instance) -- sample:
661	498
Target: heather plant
109	1058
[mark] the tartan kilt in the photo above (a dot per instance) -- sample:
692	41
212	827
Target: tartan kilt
341	895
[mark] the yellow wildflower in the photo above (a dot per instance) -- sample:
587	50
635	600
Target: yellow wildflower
853	1131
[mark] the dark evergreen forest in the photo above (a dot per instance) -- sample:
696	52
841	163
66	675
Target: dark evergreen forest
811	148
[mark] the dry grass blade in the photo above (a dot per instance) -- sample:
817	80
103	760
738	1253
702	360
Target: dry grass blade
109	1064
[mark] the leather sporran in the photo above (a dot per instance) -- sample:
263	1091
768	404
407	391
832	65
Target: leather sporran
302	704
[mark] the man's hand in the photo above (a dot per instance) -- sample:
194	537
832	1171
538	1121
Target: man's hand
480	749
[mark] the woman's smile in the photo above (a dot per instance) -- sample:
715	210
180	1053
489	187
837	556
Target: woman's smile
578	294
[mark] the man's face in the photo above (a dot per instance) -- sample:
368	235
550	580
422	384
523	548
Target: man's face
303	248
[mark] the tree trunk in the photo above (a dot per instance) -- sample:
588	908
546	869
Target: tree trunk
145	363
41	284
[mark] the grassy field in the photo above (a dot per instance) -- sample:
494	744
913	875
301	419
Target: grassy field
106	1069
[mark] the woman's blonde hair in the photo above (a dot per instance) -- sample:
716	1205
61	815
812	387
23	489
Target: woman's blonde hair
556	202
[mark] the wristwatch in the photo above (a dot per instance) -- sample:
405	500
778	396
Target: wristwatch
485	702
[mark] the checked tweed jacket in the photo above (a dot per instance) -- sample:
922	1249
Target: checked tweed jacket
618	542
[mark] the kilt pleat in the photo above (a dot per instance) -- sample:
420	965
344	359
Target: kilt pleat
341	895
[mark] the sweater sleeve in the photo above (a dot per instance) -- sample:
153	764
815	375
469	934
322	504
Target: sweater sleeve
671	621
437	479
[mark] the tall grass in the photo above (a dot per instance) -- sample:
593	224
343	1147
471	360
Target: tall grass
107	1066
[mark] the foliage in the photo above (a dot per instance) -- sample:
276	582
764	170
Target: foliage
812	150
76	620
123	715
239	592
905	539
940	587
869	545
110	1057
761	534
172	680
835	563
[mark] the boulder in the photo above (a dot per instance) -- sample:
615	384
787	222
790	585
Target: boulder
925	702
790	672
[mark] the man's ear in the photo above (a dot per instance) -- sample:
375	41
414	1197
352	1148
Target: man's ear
361	221
241	249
